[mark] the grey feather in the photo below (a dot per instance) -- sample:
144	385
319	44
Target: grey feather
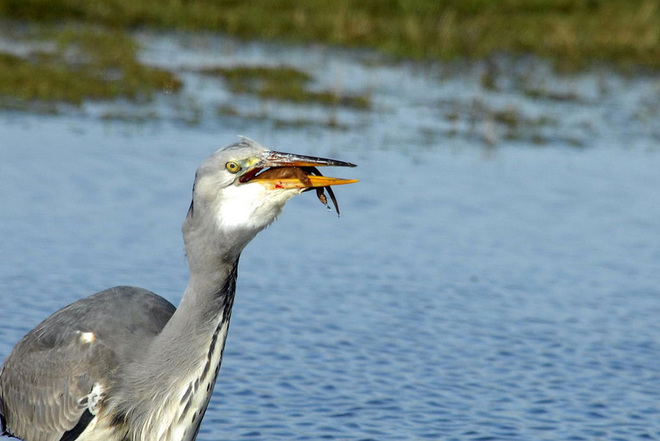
39	403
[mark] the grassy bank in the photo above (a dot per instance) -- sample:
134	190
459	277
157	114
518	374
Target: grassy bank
89	54
574	32
73	63
78	63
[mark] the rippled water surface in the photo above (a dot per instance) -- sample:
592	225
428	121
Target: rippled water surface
486	281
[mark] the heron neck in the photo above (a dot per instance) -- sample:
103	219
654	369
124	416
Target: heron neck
193	340
204	309
208	298
180	366
197	324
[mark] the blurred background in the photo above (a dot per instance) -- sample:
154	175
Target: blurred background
495	275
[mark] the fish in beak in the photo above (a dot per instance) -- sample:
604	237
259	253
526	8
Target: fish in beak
279	170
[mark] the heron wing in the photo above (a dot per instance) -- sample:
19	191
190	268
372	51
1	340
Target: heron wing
45	387
62	370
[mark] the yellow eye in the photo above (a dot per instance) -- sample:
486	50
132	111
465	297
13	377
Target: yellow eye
232	167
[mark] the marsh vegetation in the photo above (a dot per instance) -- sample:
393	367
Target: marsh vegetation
66	51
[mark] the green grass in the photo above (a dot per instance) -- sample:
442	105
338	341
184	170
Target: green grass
98	60
86	63
99	63
574	32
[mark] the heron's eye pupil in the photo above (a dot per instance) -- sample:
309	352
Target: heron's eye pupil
232	167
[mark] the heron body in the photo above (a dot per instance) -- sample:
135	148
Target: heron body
125	364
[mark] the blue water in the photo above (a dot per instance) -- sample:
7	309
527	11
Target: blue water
467	292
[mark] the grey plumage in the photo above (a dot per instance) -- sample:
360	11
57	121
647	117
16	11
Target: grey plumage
125	364
53	368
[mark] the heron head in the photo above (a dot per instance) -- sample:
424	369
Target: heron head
242	188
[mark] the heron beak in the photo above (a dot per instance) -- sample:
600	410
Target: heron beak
279	170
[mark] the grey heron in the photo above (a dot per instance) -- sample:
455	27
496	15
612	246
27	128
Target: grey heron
125	364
